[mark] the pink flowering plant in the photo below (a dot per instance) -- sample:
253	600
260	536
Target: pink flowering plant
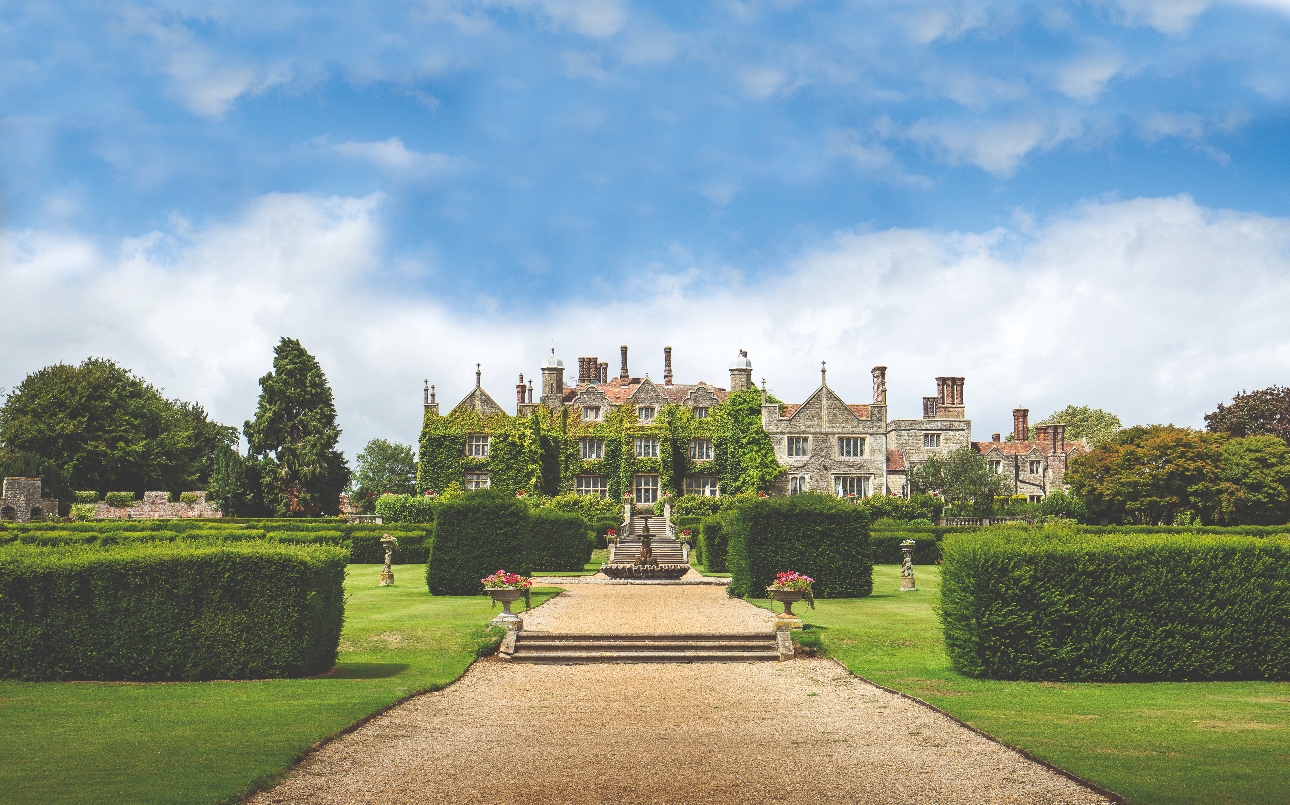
501	580
793	581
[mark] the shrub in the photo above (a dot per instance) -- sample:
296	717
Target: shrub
82	511
169	611
413	548
557	541
916	507
712	543
87	497
817	535
886	547
406	509
475	535
119	500
188	497
1058	604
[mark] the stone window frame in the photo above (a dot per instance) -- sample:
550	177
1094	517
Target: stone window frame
799	484
643	417
476	480
701	412
798	447
851	446
706	486
996	464
591	413
477	445
1036	466
646	447
645	487
931	440
590	449
701	449
859	485
1034	498
597	485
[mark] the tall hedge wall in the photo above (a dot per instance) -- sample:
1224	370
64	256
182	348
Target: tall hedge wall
557	541
475	535
169	611
818	535
1053	604
712	543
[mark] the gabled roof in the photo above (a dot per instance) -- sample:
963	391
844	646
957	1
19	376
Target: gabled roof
618	391
1008	448
859	411
479	400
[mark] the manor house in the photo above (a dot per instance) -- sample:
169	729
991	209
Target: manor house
825	444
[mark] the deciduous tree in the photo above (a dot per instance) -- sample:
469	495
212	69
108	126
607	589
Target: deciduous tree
963	478
383	467
1083	422
294	434
1256	470
1265	412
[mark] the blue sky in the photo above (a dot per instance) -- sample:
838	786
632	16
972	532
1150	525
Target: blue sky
1079	202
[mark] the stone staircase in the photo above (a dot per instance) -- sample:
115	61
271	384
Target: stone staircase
663	545
568	649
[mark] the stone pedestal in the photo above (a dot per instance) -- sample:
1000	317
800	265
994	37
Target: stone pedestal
784	642
787	621
387	572
907	567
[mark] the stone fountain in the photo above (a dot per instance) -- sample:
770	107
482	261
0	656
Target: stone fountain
645	566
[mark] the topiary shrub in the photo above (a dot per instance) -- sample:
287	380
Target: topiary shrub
406	509
87	497
819	535
169	611
189	498
886	547
413	548
120	500
558	540
712	544
1058	604
474	535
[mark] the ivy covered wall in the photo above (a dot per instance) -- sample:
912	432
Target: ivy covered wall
541	453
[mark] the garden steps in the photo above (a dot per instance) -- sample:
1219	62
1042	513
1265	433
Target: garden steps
553	648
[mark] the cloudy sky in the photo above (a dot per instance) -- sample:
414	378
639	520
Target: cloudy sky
1064	202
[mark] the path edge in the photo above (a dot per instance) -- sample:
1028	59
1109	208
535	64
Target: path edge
269	781
1075	778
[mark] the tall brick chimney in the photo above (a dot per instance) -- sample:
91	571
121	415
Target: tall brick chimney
1059	438
519	390
929	408
623	374
667	366
1020	424
604	372
879	385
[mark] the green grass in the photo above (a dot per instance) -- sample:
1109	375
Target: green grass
598	558
92	742
1174	742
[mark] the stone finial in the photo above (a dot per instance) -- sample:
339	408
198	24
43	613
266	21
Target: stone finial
432	402
477	375
763	391
824	373
530	390
426	392
907	566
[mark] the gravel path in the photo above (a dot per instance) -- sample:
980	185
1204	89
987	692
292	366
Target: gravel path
647	609
804	731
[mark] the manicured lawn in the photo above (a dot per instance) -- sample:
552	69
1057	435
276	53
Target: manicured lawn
1178	742
94	742
598	558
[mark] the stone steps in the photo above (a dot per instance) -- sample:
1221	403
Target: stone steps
565	649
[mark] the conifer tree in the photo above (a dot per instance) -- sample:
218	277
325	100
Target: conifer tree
293	436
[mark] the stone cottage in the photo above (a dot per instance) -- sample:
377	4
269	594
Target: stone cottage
22	502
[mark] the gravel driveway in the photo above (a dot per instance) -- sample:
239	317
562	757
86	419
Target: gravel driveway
803	731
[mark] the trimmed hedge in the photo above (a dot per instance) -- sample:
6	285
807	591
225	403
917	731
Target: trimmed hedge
406	508
1057	604
712	543
475	535
819	535
886	548
170	611
557	541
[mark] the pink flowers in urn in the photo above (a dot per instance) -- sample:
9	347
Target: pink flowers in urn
792	580
501	580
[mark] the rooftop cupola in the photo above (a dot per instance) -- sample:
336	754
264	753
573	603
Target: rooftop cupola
741	372
553	381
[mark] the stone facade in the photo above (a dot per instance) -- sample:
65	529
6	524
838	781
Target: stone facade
157	506
1034	468
825	444
22	501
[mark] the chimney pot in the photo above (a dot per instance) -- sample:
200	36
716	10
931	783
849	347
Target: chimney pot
995	437
667	366
623	374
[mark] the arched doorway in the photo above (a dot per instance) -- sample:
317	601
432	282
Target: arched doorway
37	515
8	513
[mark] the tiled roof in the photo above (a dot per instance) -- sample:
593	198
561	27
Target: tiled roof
1007	448
786	410
896	461
618	391
861	411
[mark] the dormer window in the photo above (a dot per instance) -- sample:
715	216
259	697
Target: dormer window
477	446
590	413
700	413
1036	467
645	413
997	466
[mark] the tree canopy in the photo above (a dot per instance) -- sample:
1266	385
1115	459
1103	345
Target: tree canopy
1083	422
963	478
1256	476
294	434
1265	412
382	467
100	427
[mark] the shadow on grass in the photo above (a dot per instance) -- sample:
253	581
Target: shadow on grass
365	670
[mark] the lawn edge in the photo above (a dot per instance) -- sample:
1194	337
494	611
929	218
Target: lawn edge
484	652
1075	778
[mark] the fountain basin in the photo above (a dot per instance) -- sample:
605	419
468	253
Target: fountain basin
624	570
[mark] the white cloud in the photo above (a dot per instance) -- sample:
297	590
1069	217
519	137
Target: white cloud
1154	308
597	19
997	146
1085	78
391	155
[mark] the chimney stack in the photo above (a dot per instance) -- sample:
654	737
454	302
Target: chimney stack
667	366
995	437
949	398
604	372
589	370
879	385
519	390
1059	438
623	374
1020	424
741	372
929	408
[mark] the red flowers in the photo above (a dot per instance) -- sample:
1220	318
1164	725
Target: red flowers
611	532
501	580
791	580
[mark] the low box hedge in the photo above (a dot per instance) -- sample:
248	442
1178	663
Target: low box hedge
819	535
170	611
1059	604
557	541
887	551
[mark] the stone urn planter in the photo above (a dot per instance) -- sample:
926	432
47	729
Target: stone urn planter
506	596
787	598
